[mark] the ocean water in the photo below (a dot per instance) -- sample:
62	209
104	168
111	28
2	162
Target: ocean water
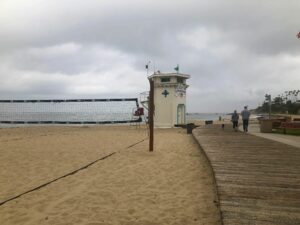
81	111
91	116
206	116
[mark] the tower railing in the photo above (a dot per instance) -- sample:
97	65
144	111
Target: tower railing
144	99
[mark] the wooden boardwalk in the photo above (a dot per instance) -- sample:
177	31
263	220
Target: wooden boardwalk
258	180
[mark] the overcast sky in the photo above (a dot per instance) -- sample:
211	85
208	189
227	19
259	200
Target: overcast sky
236	51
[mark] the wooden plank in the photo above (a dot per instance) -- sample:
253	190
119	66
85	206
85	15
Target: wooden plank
260	215
257	192
267	204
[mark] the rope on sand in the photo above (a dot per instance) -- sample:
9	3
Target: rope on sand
130	146
66	175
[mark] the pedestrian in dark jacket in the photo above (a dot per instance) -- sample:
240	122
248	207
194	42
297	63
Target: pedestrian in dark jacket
245	116
235	120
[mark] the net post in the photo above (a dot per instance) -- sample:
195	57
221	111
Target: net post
150	114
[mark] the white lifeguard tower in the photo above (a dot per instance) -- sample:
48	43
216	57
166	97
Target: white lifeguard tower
169	99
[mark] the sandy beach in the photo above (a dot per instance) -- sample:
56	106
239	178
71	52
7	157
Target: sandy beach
172	185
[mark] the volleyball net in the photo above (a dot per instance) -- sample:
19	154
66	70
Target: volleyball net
70	111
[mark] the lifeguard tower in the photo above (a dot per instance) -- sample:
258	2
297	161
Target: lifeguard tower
169	99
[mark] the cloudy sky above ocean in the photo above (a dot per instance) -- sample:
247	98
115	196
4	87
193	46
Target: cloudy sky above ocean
236	51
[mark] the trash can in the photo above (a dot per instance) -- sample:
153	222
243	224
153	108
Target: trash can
189	128
208	122
266	125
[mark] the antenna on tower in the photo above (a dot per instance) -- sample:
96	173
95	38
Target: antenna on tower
147	67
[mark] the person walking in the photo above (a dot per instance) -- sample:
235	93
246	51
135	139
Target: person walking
235	120
245	117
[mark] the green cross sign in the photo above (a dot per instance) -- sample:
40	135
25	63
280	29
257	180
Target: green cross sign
165	93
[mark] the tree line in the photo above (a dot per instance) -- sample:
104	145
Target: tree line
287	102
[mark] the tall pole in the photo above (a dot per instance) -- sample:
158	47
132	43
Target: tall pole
150	114
268	98
270	104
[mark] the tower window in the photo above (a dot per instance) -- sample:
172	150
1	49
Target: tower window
180	80
165	79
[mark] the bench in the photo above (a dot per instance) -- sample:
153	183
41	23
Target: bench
290	126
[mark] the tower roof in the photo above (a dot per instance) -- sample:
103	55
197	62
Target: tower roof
186	76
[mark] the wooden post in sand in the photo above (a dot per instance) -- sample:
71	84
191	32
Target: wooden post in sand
150	114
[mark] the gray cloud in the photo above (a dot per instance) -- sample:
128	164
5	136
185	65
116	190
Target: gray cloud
235	50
